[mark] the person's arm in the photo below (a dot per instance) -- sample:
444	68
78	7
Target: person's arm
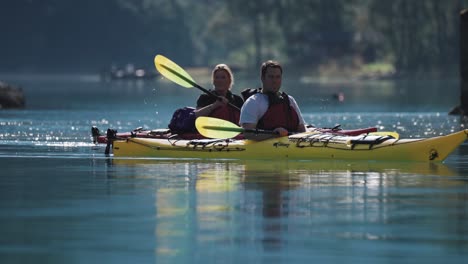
253	135
206	110
280	132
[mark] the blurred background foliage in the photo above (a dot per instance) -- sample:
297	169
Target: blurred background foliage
401	37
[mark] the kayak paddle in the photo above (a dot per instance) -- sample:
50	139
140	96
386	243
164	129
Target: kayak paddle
211	127
175	73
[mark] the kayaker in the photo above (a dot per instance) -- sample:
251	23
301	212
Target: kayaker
270	109
207	105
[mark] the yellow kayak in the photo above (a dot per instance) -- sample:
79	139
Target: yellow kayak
304	146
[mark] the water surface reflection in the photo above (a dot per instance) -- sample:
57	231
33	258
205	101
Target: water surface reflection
324	208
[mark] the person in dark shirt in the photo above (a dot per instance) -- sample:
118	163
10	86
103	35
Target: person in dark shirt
227	105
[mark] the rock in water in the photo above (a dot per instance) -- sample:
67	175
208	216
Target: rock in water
11	96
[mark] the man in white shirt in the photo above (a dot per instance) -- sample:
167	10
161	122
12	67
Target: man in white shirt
269	109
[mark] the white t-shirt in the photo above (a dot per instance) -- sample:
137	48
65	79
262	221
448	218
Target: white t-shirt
257	105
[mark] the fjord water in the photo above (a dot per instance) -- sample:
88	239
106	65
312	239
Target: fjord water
64	201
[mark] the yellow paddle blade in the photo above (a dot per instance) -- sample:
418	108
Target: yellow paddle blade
211	127
385	133
173	72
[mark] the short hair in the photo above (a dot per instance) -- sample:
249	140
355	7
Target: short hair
270	64
223	67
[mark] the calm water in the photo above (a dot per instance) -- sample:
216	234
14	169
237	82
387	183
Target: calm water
63	201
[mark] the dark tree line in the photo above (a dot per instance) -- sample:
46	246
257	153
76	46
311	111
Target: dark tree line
413	35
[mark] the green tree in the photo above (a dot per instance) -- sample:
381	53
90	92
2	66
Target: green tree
420	36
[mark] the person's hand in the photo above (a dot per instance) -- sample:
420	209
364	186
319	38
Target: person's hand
281	131
220	102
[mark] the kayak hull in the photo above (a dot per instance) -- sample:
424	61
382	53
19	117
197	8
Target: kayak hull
305	146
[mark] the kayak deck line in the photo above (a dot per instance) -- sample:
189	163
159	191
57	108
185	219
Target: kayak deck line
310	140
210	145
164	133
319	146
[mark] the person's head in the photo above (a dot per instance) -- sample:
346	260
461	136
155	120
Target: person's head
271	75
222	77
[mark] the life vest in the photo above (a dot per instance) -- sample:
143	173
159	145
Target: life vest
226	112
280	113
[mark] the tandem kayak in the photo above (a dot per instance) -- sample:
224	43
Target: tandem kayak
304	146
165	133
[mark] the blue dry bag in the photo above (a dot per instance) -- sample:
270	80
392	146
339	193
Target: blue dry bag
183	120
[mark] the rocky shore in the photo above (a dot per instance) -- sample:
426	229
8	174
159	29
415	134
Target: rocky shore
11	96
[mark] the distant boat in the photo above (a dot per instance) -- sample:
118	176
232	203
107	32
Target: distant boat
129	72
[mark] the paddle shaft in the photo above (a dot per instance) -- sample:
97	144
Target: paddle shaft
270	132
241	130
195	85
